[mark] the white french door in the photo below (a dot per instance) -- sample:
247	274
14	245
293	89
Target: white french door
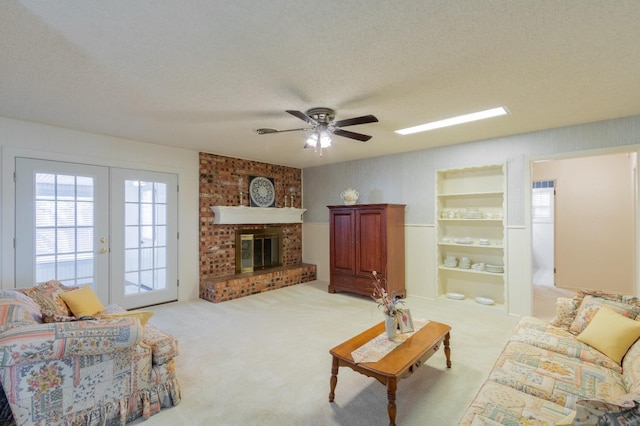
114	229
62	224
145	230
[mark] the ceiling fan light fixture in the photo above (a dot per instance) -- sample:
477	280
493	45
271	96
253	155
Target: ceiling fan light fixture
312	141
453	121
318	139
325	139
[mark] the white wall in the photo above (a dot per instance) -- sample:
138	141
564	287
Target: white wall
20	138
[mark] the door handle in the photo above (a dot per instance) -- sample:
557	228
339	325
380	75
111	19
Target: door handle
104	250
103	240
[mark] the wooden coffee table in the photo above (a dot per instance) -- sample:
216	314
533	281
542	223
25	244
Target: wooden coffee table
400	363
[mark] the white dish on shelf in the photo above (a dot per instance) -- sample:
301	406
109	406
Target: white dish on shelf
473	216
494	268
464	241
483	242
455	296
485	301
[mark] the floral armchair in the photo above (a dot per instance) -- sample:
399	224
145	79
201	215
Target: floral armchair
56	369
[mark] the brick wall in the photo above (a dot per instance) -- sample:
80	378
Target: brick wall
220	186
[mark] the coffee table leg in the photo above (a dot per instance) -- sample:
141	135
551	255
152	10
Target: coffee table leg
334	379
391	395
447	350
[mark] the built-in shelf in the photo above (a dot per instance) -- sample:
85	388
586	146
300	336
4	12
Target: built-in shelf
470	206
240	215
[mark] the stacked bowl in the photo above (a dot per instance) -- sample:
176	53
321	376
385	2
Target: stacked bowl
450	262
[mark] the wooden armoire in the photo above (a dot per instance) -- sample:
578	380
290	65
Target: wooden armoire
365	238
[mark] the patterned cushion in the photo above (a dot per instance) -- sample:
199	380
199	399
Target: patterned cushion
12	316
44	342
565	313
555	377
614	297
631	368
498	404
539	333
47	295
164	346
12	297
590	305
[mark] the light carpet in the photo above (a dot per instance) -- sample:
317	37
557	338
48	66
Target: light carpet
264	360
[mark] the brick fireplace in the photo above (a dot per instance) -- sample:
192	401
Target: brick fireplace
220	180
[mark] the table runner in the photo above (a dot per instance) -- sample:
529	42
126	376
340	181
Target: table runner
376	349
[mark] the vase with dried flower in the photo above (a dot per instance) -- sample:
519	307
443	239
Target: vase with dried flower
389	304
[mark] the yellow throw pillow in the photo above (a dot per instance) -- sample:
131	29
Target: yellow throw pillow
82	302
143	316
610	333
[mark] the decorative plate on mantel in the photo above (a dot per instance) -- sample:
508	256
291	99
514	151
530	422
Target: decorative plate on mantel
262	193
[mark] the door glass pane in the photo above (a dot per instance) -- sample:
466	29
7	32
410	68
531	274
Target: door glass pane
131	214
131	262
131	236
85	240
145	220
160	278
64	228
46	210
84	213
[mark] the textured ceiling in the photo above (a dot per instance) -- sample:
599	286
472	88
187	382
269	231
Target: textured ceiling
203	75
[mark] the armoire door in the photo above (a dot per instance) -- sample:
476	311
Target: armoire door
370	242
342	238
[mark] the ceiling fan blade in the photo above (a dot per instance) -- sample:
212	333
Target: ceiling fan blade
351	135
302	116
266	131
356	120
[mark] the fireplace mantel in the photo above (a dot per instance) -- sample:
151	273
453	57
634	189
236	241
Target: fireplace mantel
237	215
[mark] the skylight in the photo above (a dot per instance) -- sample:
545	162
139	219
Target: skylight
466	118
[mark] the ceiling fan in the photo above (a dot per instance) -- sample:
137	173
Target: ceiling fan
323	124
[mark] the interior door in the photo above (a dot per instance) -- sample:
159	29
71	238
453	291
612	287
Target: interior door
62	224
595	223
144	224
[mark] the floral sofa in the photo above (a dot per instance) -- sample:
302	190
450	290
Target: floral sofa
56	369
550	373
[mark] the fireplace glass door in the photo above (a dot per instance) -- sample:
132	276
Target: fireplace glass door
258	249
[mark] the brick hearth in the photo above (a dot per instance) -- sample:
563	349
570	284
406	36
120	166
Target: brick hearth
232	287
219	186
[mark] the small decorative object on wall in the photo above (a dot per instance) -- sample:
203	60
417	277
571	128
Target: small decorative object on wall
350	196
404	320
292	191
262	192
